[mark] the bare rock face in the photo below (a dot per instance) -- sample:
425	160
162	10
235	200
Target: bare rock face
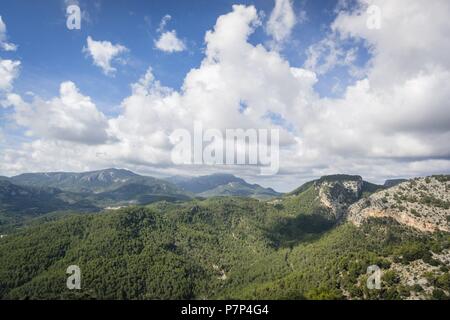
421	203
338	192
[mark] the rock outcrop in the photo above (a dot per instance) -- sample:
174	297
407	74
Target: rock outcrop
421	203
338	192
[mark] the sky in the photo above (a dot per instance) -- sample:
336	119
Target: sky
353	86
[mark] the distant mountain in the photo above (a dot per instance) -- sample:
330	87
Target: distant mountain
109	185
393	182
33	194
241	189
222	185
203	183
93	181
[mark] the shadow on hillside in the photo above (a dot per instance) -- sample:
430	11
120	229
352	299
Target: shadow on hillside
302	228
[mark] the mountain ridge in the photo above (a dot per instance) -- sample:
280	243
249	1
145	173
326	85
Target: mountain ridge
220	184
90	181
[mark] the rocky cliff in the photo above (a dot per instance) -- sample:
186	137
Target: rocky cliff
421	203
338	192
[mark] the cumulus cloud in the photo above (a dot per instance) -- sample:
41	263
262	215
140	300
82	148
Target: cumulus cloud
168	40
397	55
392	122
103	53
282	20
328	54
400	109
211	94
404	121
9	70
7	46
70	117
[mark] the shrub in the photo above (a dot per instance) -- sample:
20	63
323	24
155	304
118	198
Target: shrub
391	278
438	294
417	288
443	281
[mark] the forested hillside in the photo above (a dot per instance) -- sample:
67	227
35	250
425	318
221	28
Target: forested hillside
30	196
295	247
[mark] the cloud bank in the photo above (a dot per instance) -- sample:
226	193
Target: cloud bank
394	121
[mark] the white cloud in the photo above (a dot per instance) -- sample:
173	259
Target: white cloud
163	23
169	42
9	70
400	110
405	121
7	46
393	122
413	37
69	117
211	94
282	20
328	53
104	53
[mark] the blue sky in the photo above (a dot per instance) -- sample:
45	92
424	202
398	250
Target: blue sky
347	97
50	53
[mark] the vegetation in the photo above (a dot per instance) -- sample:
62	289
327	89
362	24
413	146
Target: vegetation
182	251
217	248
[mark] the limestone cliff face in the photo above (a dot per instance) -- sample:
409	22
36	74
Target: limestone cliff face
337	193
421	203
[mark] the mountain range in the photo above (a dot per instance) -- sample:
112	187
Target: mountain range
222	185
30	195
93	182
316	242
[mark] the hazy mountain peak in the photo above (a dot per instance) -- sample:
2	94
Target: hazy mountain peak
222	184
393	182
93	181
